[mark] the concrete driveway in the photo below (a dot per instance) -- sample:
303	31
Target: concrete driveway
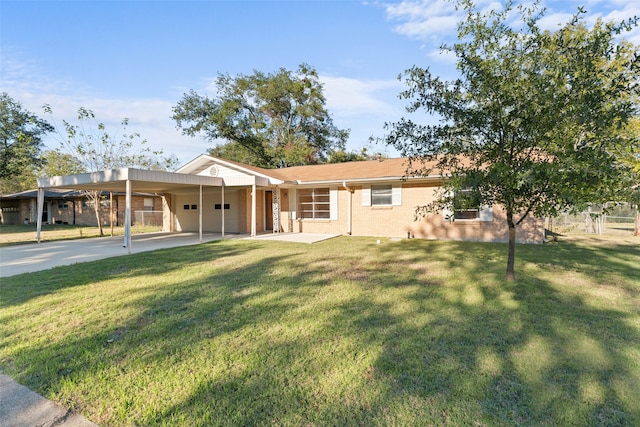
32	257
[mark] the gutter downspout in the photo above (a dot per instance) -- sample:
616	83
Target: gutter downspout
349	215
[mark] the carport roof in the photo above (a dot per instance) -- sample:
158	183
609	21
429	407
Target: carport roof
142	180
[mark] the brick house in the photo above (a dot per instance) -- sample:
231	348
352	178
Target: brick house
73	207
369	198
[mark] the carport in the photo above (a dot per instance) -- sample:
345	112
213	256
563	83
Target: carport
128	180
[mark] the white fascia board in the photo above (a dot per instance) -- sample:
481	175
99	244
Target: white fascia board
193	164
243	181
112	175
368	180
124	174
244	170
173	178
200	163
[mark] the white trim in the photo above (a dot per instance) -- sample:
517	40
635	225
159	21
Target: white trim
396	194
127	218
203	162
222	210
200	215
90	180
447	211
253	210
293	203
333	204
366	195
40	208
486	213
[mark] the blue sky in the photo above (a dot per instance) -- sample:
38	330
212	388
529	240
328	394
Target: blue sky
136	59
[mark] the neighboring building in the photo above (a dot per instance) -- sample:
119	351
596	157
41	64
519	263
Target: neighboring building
369	198
73	207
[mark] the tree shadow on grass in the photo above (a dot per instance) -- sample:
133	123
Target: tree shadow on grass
524	353
20	289
413	333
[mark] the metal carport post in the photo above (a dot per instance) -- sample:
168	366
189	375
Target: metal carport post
40	210
127	217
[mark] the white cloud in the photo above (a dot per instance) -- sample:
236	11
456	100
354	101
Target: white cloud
363	106
25	82
351	97
424	19
435	21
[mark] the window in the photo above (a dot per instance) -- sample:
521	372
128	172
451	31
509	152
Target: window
381	195
148	203
63	204
466	205
314	203
219	206
89	203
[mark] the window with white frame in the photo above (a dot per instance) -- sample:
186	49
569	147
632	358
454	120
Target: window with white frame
381	195
466	204
314	203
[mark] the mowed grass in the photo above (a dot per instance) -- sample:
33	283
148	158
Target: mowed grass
18	234
342	332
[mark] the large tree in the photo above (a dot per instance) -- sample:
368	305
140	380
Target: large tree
96	149
534	120
268	120
21	134
59	163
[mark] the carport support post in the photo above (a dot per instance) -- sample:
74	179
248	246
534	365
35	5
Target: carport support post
127	218
222	189
253	209
40	210
200	216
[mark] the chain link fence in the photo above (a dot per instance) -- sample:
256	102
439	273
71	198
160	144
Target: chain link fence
147	218
607	219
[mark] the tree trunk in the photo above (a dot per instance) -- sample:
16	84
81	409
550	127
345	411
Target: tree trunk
98	219
637	231
511	275
95	196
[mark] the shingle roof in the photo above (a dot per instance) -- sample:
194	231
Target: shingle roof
370	169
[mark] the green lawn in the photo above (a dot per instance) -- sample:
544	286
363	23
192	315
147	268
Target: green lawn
342	332
14	234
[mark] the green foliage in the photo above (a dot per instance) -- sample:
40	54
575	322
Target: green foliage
58	163
235	152
21	134
342	156
97	149
535	119
270	120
